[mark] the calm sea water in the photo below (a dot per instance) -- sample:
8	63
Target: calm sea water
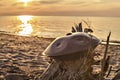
54	26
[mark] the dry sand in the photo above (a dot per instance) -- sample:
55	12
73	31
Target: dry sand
21	57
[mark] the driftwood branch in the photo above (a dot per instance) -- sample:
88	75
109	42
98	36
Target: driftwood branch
104	58
109	71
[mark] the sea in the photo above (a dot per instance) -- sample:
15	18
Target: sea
56	26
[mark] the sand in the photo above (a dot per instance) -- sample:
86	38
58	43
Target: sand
21	57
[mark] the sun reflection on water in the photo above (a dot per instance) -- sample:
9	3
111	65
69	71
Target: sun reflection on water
26	27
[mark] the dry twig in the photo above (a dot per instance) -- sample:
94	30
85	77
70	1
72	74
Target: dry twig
104	58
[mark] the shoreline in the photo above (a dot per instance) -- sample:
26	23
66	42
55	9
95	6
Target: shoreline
103	41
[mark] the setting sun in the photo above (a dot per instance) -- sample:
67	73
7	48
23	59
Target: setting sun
25	1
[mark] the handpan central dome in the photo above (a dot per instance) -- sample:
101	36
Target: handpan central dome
74	43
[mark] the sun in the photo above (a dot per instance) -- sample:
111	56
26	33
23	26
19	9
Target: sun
25	1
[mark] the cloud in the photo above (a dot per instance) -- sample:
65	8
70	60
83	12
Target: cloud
1	4
75	3
111	0
61	7
97	0
50	1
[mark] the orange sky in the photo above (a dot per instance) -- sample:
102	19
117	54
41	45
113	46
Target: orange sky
61	7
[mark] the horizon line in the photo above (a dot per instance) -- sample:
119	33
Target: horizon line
58	15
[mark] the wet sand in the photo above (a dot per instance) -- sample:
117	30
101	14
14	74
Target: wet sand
22	56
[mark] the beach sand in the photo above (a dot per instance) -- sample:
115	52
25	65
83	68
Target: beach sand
21	57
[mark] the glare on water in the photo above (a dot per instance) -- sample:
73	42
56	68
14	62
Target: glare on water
55	26
25	27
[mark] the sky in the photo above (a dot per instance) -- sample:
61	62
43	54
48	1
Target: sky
61	7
